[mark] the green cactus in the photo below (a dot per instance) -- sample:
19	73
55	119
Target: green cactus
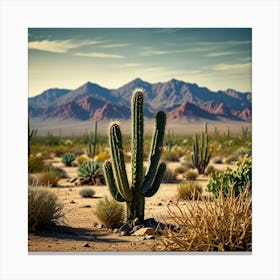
115	173
90	170
31	133
92	142
201	154
67	159
170	143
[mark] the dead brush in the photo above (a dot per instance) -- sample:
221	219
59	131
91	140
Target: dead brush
220	224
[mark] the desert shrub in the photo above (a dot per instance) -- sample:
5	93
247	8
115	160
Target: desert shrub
44	208
190	175
109	212
222	224
87	192
169	176
189	190
171	156
180	170
89	170
210	169
188	164
81	159
217	160
102	156
239	155
35	164
67	159
232	180
49	177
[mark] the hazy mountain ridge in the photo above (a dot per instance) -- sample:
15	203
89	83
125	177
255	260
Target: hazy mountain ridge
178	98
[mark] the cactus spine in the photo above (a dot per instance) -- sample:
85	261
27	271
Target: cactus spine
115	172
201	154
31	133
92	142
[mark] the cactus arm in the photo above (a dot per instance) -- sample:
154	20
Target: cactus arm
157	181
115	139
110	181
137	116
156	148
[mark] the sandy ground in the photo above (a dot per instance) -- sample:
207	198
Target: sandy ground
79	228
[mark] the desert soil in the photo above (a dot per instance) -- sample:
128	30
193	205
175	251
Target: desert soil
81	232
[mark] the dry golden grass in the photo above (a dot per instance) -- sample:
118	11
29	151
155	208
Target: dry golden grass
220	224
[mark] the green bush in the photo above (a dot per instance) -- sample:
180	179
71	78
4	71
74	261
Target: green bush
189	190
67	159
87	192
44	208
49	177
109	212
35	164
232	180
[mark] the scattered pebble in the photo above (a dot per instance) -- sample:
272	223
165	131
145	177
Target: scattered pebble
72	201
159	204
86	245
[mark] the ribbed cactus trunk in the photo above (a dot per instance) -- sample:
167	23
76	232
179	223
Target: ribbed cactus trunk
201	154
115	172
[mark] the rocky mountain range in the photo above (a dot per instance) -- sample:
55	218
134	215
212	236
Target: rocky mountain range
181	100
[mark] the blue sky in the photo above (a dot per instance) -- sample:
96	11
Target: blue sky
217	58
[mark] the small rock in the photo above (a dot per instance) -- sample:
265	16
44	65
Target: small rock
159	204
144	231
95	224
99	226
123	233
116	230
49	246
147	237
86	245
170	201
135	229
70	190
72	201
73	179
86	206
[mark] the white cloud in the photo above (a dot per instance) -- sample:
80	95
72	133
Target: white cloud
231	67
216	54
116	45
99	55
59	46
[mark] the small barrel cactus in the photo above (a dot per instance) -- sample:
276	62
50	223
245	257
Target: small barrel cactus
67	159
90	170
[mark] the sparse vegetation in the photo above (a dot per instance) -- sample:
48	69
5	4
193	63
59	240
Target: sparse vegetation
35	164
190	175
189	190
222	224
109	212
169	176
81	159
180	170
44	208
171	156
49	177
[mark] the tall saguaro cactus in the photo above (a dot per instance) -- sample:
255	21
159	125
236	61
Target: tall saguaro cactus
201	154
92	142
31	133
115	173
